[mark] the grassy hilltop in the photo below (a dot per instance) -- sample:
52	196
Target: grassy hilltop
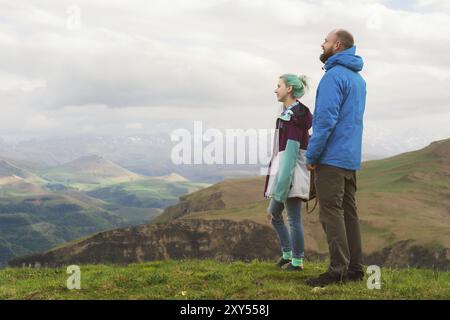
207	279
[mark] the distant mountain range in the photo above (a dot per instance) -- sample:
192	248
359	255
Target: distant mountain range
49	206
403	204
88	172
142	154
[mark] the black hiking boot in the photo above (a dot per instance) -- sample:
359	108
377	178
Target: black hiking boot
291	267
325	279
281	262
355	275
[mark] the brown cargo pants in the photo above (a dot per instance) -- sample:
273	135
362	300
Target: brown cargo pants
336	188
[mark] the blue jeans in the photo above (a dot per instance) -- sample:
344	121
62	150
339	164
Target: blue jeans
293	240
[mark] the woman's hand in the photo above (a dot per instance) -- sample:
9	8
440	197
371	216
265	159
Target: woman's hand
311	167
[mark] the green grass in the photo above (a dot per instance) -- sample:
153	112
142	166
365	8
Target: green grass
206	279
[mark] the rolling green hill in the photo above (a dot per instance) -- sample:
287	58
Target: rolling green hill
153	192
399	198
16	181
30	224
38	213
117	186
89	172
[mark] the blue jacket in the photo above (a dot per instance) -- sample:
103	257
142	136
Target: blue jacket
338	115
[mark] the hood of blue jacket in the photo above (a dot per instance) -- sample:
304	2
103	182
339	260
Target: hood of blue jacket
346	58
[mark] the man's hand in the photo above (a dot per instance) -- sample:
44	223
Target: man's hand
311	167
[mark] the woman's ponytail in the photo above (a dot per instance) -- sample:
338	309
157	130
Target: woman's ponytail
304	81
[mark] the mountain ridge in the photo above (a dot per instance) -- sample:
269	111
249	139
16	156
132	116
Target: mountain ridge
397	201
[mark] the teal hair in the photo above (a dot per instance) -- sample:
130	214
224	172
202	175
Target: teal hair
299	84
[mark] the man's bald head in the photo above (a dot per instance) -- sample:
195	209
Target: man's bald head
336	41
345	38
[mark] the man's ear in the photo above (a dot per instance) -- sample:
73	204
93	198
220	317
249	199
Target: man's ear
337	45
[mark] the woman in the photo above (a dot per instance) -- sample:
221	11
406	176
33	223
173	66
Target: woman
287	182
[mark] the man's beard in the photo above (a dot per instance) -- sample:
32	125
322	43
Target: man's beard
325	55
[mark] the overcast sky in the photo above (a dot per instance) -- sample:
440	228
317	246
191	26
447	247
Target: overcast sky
132	67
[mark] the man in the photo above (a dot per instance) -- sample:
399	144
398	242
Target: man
334	153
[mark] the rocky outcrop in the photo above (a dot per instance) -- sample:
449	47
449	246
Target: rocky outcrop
440	148
222	240
407	253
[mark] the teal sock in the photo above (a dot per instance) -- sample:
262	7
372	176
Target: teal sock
287	255
297	262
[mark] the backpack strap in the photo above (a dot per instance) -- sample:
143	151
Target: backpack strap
314	207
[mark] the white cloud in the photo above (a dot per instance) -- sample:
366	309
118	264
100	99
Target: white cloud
133	64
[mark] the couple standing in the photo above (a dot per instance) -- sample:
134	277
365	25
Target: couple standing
333	152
